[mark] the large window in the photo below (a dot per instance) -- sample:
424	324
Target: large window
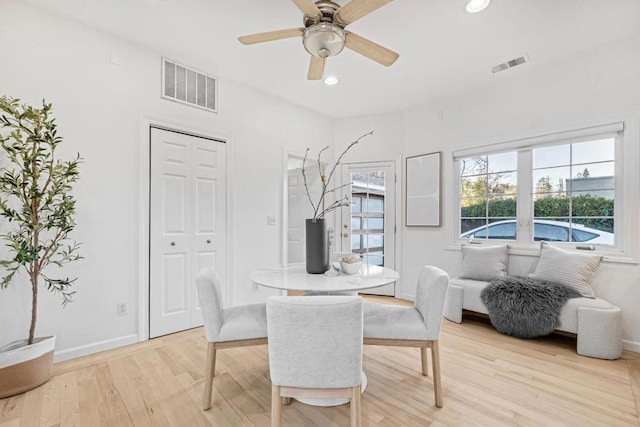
560	190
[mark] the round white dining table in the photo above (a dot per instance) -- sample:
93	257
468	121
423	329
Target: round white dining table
294	277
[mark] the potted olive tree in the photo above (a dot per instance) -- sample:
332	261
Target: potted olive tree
36	202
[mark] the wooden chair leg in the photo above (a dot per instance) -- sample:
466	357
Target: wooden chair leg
276	406
355	404
425	362
437	383
210	372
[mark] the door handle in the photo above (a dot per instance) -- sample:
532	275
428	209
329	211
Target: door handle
345	234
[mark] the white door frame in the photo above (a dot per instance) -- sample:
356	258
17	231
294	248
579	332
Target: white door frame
288	153
284	249
146	122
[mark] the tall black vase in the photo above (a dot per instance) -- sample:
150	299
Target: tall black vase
317	246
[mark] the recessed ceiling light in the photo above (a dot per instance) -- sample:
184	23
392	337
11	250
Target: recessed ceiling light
475	6
331	80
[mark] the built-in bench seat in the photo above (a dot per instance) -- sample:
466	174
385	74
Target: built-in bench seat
596	322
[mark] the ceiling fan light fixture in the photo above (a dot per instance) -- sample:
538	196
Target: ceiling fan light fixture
475	6
324	40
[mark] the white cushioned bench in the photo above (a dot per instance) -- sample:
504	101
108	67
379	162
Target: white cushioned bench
596	322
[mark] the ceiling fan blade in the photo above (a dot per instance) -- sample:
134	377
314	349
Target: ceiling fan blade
371	50
271	35
316	68
356	9
307	7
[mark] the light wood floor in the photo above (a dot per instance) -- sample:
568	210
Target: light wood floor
489	379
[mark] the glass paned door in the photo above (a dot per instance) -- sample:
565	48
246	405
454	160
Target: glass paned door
368	228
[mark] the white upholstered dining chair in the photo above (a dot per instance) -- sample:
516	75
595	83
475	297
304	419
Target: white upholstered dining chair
315	350
417	326
229	327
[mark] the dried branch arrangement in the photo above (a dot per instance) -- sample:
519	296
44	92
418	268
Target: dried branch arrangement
319	210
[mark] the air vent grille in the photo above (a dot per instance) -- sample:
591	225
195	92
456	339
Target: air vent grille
509	64
500	67
186	85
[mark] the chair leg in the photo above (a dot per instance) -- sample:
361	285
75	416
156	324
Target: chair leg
437	383
276	406
425	362
210	372
355	405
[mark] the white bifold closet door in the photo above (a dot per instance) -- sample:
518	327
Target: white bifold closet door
187	225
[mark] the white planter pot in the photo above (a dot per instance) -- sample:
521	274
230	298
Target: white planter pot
23	367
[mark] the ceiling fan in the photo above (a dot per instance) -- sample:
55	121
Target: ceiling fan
324	33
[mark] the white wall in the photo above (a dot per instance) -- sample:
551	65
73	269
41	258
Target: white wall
587	87
98	108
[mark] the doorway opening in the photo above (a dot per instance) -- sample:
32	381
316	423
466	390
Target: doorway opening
369	227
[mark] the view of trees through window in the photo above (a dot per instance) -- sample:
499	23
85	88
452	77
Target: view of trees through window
488	190
573	192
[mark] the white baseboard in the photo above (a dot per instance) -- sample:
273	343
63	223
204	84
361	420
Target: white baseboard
631	345
84	350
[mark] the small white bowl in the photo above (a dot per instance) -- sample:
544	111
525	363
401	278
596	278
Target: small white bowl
351	268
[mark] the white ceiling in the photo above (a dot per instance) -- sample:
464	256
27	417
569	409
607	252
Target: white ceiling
443	50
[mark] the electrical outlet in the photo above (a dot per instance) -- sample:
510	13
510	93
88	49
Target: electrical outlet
271	220
122	309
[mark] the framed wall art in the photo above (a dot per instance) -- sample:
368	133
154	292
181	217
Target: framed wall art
422	200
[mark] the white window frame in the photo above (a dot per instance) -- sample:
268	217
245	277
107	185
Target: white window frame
627	179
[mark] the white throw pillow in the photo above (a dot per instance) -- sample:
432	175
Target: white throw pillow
571	269
484	262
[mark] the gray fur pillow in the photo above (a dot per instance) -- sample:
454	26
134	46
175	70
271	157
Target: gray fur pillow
524	307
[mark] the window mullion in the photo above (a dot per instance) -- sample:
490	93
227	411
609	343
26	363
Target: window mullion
486	195
524	208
